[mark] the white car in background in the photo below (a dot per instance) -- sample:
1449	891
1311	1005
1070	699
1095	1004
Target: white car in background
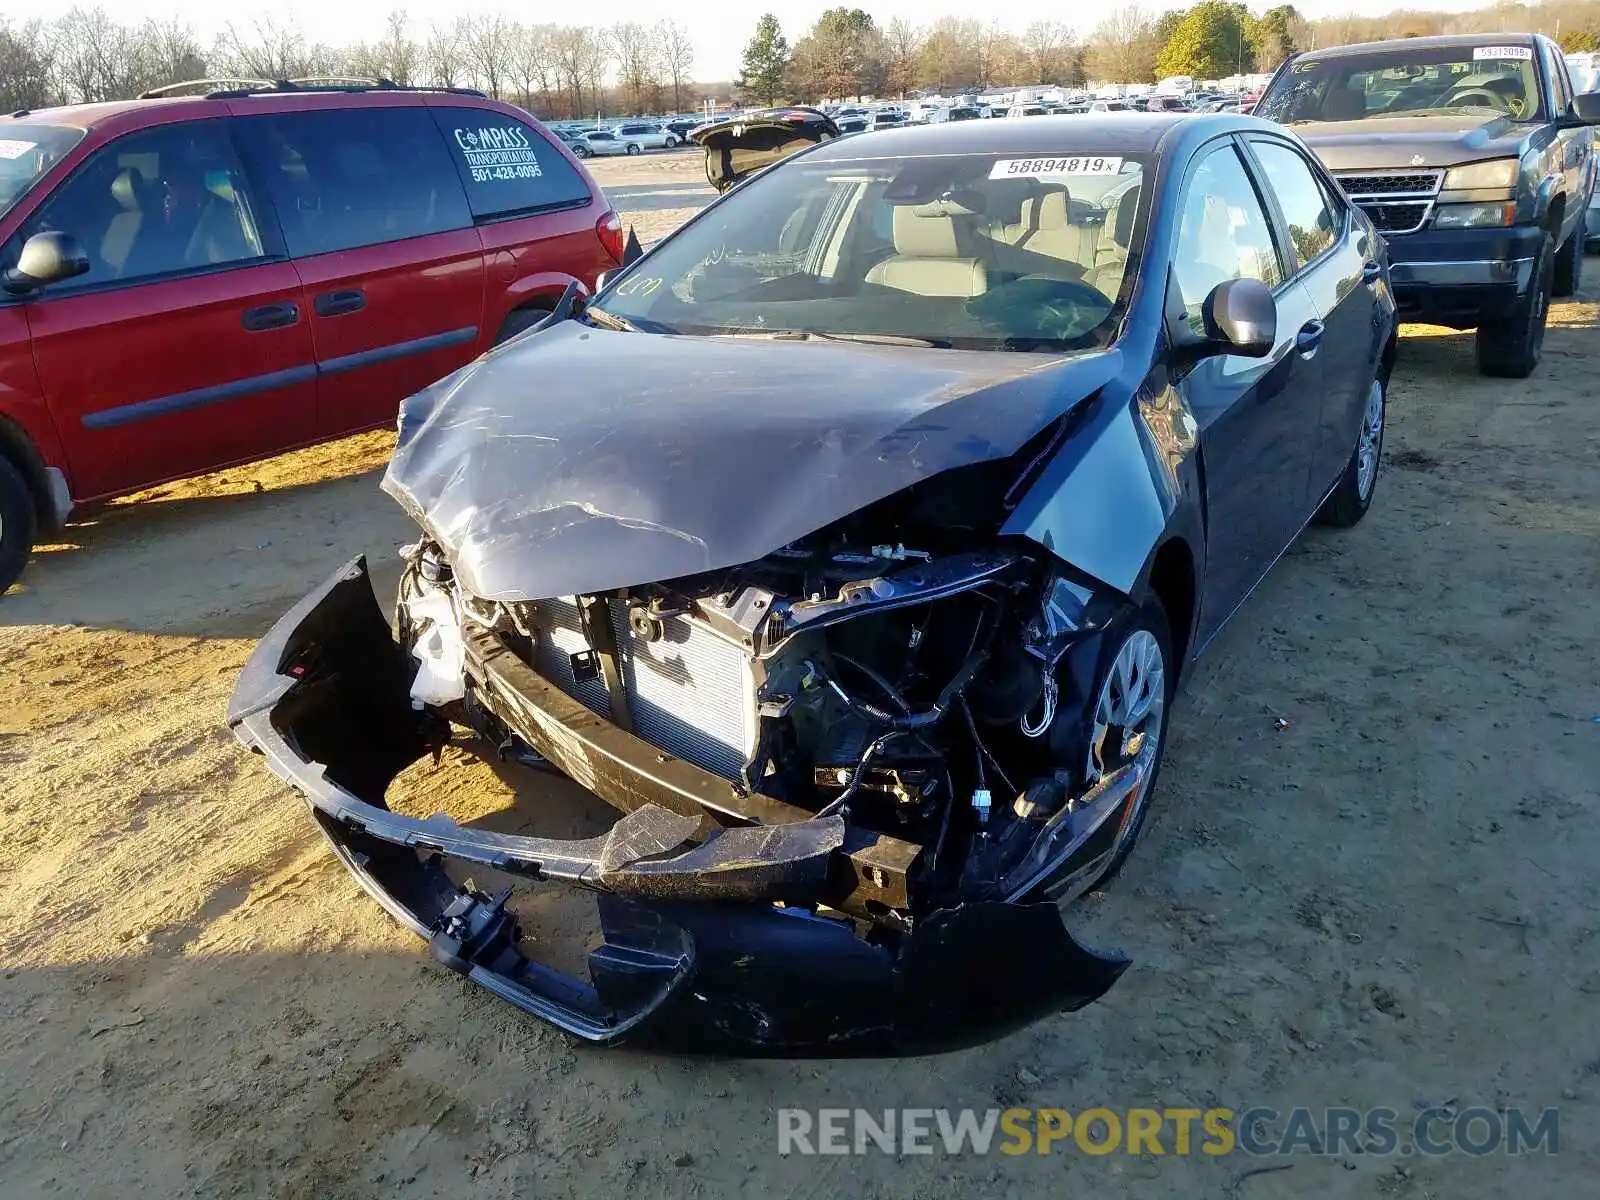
644	135
598	143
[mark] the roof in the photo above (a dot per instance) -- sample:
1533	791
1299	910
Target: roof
1086	133
87	116
1446	41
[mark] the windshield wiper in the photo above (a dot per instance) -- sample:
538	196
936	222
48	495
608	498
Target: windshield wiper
609	320
808	335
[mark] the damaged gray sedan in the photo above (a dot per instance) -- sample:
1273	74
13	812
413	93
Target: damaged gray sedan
851	544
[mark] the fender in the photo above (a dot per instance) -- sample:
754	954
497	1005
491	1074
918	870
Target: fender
520	292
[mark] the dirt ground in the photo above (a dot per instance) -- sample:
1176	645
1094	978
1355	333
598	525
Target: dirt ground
1391	902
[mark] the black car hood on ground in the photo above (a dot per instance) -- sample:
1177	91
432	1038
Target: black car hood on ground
1438	140
575	459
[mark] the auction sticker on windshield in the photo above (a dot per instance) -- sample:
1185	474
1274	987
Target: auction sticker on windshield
10	148
1481	53
498	152
1028	168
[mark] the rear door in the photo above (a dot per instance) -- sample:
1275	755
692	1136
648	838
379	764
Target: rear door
1257	416
380	232
1337	264
187	345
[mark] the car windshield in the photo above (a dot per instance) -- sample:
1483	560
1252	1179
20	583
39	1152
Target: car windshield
27	152
971	251
1405	83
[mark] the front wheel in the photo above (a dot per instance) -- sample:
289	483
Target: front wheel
1509	347
1569	266
18	524
1127	720
581	151
1350	500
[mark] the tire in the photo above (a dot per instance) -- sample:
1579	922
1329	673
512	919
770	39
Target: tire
672	143
1147	619
19	524
1508	347
519	320
633	148
1353	496
582	152
1569	266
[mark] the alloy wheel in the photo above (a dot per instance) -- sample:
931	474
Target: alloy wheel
1129	719
1371	443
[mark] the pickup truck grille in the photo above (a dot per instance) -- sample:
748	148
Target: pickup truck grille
1396	201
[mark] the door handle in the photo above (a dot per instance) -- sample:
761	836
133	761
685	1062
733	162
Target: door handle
1370	272
270	316
334	304
1308	339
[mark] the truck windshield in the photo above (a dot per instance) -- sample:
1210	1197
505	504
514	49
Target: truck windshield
967	251
27	151
1488	78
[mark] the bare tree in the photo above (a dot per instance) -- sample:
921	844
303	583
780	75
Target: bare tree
92	53
491	48
533	64
902	46
676	56
1123	47
269	50
633	48
27	67
444	55
1046	45
397	53
171	53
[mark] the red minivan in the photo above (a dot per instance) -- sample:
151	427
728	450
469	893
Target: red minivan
188	282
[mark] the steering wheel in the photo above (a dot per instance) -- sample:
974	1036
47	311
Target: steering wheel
1469	99
1054	308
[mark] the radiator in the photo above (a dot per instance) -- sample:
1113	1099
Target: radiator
690	693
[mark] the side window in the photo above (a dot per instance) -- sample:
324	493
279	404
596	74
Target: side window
153	203
1223	232
1560	81
1313	226
507	166
342	178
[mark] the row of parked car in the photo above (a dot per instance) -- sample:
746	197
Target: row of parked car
624	137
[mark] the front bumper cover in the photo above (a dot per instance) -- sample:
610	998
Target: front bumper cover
1461	277
711	941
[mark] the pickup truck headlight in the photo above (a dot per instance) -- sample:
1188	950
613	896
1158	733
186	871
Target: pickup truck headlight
1497	173
1473	216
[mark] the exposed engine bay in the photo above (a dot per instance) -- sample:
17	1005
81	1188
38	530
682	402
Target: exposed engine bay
915	690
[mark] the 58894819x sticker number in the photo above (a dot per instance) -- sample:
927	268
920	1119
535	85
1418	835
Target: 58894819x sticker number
1027	168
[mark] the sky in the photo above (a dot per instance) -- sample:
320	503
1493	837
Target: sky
719	28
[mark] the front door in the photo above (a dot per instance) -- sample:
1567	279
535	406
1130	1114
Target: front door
378	224
1338	266
187	345
1257	416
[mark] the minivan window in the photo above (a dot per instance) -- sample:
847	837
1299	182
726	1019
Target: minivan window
156	202
343	178
508	166
27	151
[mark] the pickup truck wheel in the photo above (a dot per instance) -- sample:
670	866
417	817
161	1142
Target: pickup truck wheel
1569	267
1508	347
18	524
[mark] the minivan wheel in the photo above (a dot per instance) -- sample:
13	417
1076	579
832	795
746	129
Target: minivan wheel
19	524
633	148
1508	347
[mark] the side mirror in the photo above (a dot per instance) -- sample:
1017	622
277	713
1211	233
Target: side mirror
46	258
1241	317
1585	109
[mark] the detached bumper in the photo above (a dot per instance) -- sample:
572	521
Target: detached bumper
710	941
1461	277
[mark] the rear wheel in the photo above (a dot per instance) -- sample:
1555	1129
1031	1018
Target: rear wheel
1508	347
1351	499
672	142
633	148
19	524
520	319
1569	266
581	151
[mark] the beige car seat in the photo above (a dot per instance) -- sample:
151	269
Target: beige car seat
1111	258
1045	228
132	195
927	257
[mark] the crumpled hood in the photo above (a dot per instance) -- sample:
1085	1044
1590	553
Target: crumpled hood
577	459
1439	140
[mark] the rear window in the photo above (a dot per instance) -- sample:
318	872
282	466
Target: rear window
349	177
507	166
